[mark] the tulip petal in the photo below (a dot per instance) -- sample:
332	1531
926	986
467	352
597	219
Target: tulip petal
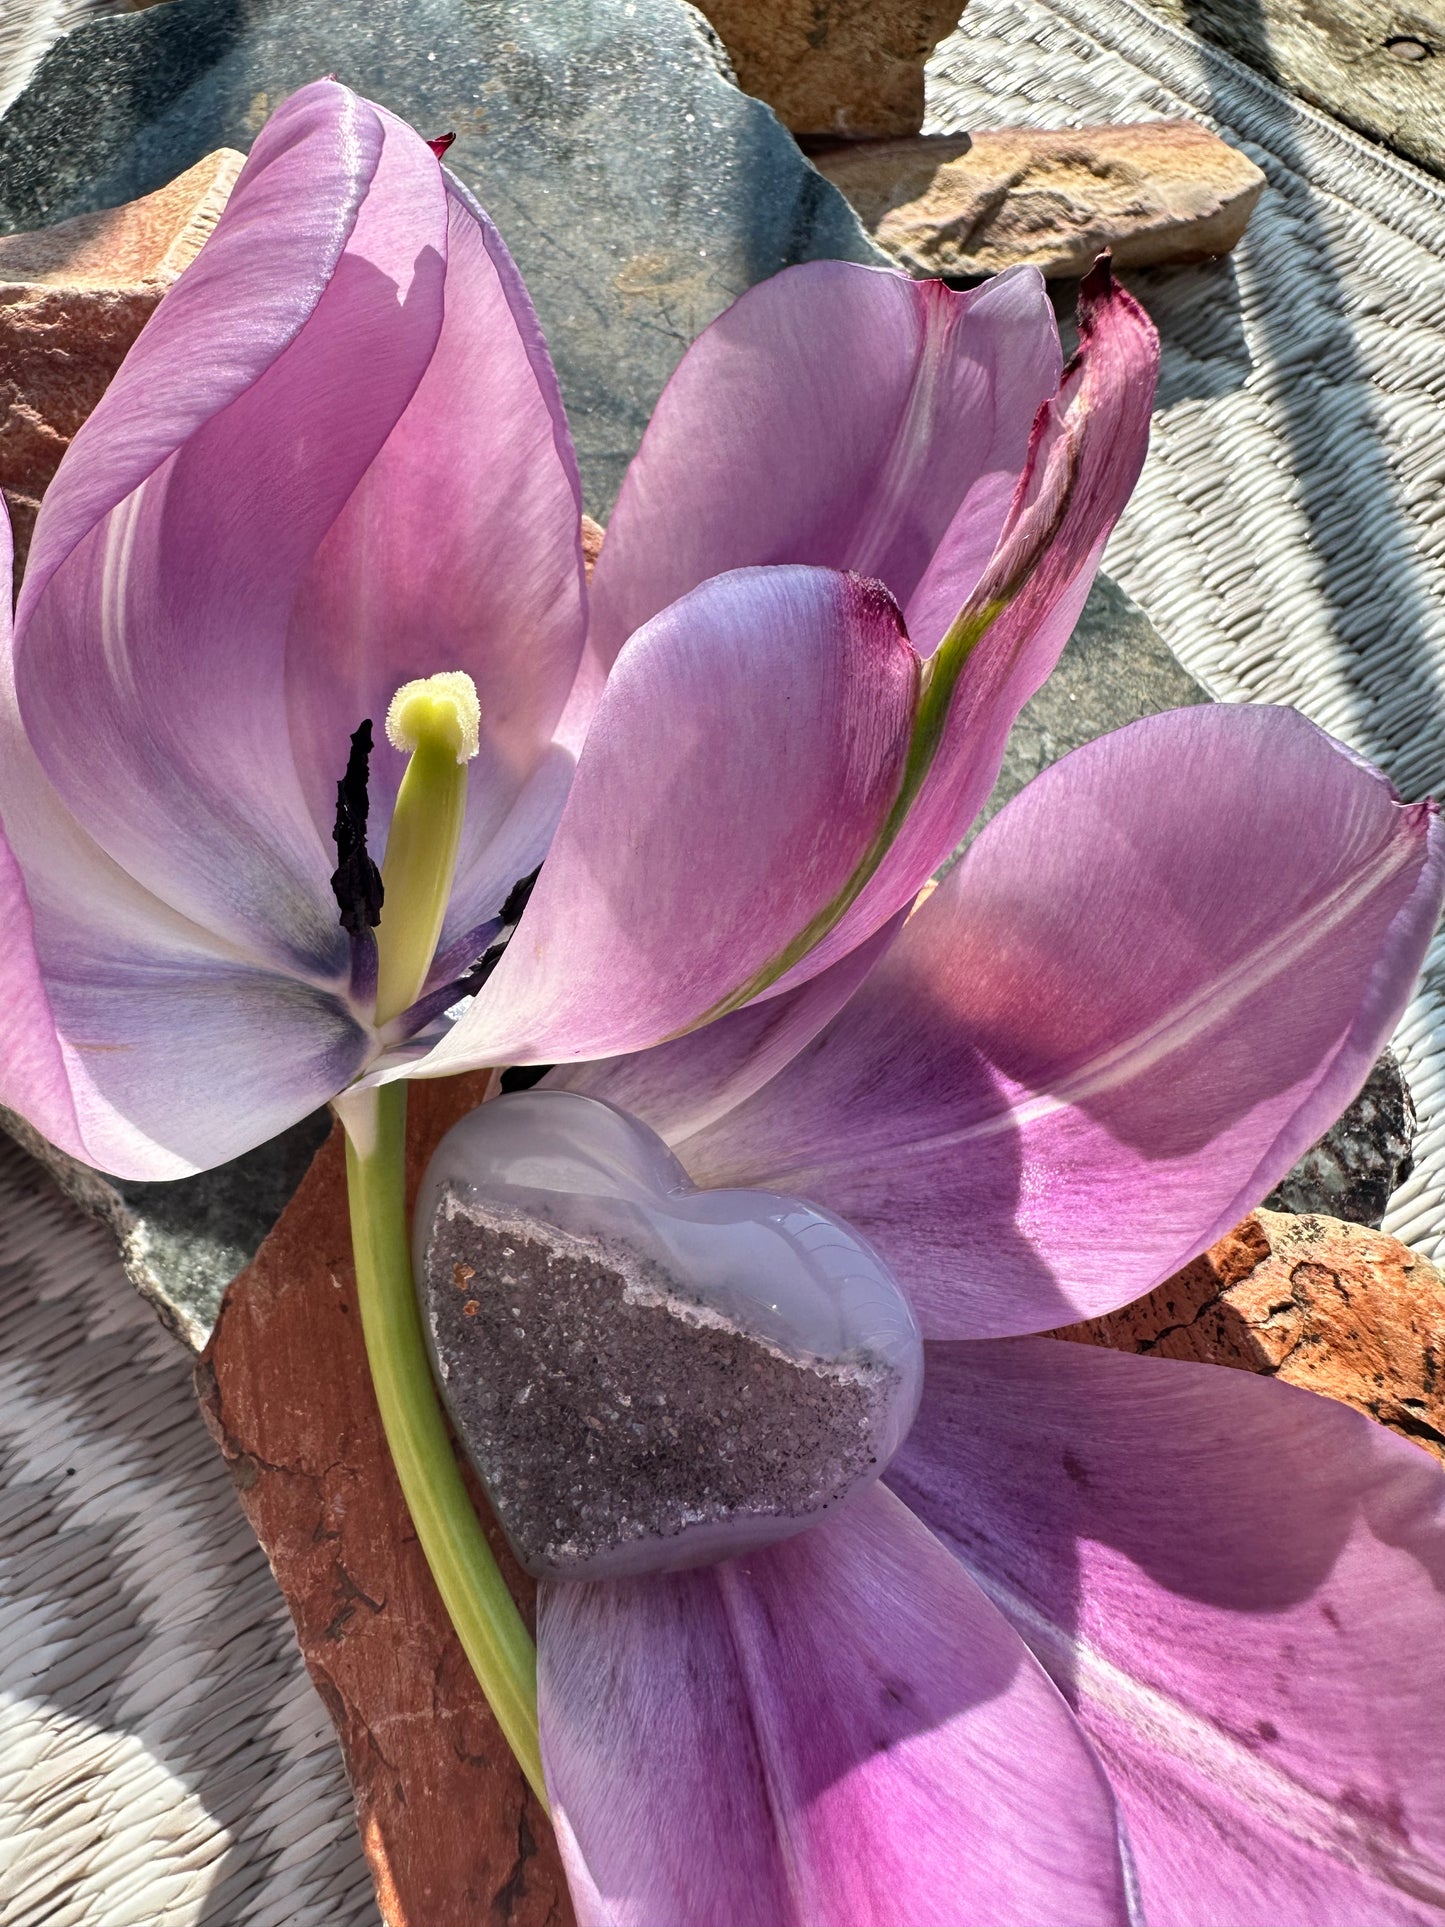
836	415
459	549
1154	981
1240	1587
181	1065
173	540
1087	449
32	1068
130	1038
681	1087
748	745
838	1732
33	1080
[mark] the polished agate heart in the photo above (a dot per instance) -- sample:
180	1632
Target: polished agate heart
645	1375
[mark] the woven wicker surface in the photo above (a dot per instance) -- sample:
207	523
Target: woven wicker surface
162	1757
1287	537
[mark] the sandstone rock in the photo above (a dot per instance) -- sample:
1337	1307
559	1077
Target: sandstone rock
73	298
1338	1308
451	1832
1159	192
852	68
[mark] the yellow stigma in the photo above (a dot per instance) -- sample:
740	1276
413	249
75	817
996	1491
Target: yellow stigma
437	709
438	721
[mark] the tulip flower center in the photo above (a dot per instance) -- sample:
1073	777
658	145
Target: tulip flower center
438	721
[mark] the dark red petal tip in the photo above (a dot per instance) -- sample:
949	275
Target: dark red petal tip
1098	283
440	145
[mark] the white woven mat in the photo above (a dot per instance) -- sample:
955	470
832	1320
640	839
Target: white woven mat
1288	534
162	1757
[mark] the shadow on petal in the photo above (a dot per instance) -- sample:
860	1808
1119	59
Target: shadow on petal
841	1729
1234	1582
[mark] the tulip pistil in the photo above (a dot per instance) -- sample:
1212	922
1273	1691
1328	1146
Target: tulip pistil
438	720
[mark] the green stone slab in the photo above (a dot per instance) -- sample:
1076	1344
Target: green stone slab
639	190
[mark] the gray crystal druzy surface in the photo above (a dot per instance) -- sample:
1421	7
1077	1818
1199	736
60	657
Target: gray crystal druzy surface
644	1375
613	1426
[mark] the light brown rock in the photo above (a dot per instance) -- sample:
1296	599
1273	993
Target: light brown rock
453	1836
1159	192
849	68
1339	1308
73	298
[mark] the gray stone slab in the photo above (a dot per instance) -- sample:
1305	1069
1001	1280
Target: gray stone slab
1363	1159
183	1243
640	191
1376	65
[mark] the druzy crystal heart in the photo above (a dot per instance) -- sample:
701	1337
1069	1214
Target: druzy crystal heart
646	1375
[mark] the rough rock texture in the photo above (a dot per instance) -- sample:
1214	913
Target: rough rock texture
612	1415
1160	192
28	28
452	1835
73	298
1363	1159
181	1243
638	189
1377	64
847	67
1338	1308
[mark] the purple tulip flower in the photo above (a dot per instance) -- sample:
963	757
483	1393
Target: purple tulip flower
335	461
1126	1639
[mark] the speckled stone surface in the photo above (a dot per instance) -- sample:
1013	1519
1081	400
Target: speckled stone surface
639	190
617	1422
183	1243
1353	1170
1377	65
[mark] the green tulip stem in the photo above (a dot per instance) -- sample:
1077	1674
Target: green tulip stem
473	1591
